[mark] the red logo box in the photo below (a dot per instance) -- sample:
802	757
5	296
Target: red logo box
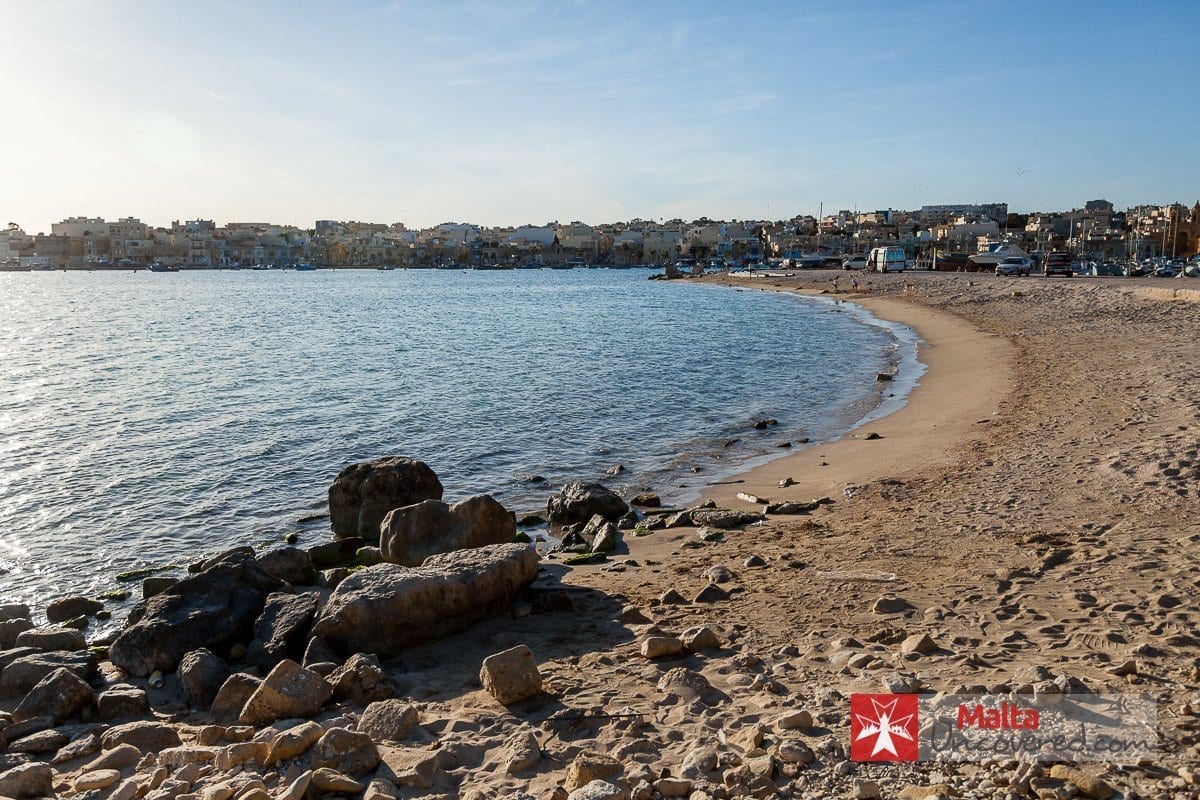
883	727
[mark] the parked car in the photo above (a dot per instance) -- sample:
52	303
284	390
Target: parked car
855	262
1058	263
1014	265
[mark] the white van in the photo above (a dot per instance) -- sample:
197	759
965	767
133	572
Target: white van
887	259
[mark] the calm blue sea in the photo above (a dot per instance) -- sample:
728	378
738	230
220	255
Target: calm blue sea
146	418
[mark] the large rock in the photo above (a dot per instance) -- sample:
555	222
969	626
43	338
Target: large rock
579	502
232	696
512	675
388	720
66	608
281	630
362	494
27	780
23	673
411	534
289	690
386	608
201	673
289	564
214	609
349	752
52	638
361	680
10	629
62	694
146	735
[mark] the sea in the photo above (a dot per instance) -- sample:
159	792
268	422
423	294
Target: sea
147	419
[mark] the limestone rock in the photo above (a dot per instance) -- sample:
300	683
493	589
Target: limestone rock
598	790
579	501
49	639
48	741
386	608
145	735
281	630
214	609
289	564
388	720
10	629
362	680
347	751
233	695
520	752
796	720
120	757
25	671
661	647
27	780
289	690
96	779
919	643
66	608
647	500
62	694
890	605
725	519
512	675
673	787
122	701
409	767
201	673
410	534
588	767
1088	785
293	742
329	780
362	494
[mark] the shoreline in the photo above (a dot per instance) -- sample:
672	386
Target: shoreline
968	372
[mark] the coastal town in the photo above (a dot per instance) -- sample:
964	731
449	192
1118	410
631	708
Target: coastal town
1096	232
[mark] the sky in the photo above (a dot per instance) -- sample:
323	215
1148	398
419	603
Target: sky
508	112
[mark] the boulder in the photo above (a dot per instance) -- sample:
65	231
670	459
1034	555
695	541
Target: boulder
23	673
337	553
386	608
600	535
349	752
281	630
647	500
361	680
289	690
10	611
388	720
294	742
512	675
580	501
66	608
27	780
47	639
411	534
201	673
62	694
289	564
155	585
587	767
233	695
47	741
214	609
725	519
122	701
145	735
362	494
10	629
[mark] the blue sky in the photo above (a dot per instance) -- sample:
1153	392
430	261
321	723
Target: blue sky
528	111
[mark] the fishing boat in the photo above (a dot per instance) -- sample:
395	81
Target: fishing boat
305	266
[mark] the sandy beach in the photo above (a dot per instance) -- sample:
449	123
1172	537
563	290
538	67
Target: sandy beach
1032	510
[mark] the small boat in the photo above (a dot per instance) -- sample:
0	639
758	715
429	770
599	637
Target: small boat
158	266
305	266
996	252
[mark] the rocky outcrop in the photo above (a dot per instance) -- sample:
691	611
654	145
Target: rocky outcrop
386	608
362	494
579	502
214	609
411	534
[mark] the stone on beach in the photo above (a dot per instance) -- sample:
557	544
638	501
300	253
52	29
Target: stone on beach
410	534
361	680
214	609
386	608
26	671
66	608
362	494
62	694
201	674
289	564
511	676
289	690
27	780
388	720
579	501
281	630
53	638
661	647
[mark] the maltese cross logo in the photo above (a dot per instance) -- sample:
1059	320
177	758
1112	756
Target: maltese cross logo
883	727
